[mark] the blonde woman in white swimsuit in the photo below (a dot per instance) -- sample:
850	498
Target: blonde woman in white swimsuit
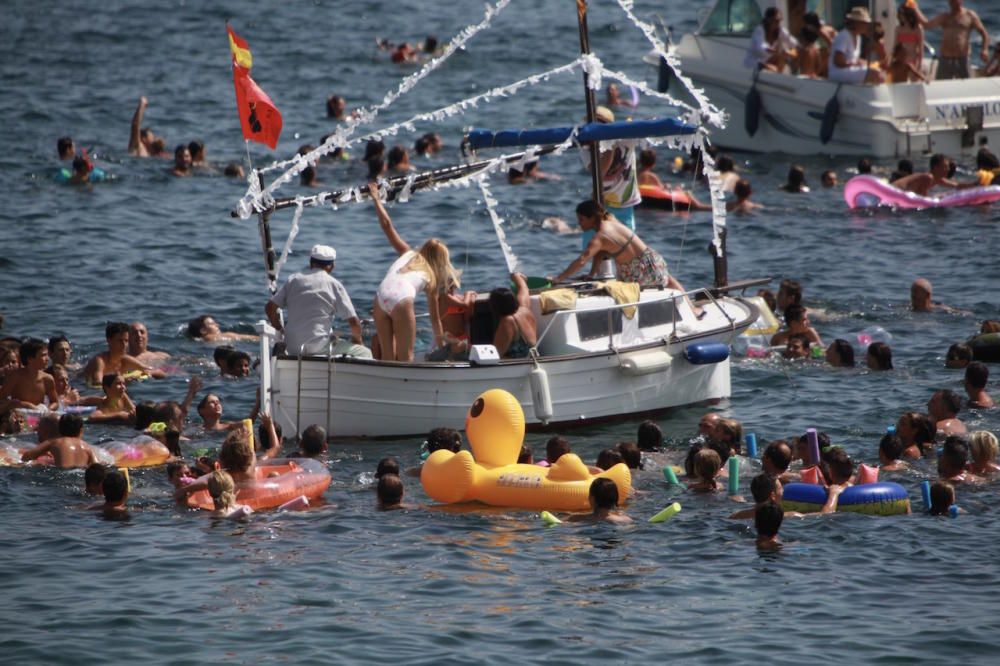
427	270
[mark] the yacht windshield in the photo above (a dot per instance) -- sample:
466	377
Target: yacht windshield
732	17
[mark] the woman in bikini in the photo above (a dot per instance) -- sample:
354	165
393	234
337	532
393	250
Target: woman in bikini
516	330
910	35
428	269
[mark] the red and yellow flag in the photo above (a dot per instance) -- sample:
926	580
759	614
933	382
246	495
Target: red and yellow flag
260	119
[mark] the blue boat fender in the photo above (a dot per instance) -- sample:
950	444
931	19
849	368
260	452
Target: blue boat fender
704	353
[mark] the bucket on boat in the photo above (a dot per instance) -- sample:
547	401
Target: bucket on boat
534	282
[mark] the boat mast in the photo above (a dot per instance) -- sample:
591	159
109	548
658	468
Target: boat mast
264	227
595	147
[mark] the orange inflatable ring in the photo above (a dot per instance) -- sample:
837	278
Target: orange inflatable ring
277	481
663	199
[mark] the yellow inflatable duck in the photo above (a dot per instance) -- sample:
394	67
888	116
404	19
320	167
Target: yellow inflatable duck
490	474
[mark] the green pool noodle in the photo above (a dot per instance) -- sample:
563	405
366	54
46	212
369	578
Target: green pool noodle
668	474
734	475
549	519
667	513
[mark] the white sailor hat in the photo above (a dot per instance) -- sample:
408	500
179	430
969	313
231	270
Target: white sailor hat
323	253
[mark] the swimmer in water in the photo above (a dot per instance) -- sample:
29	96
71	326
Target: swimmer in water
765	489
60	352
116	359
796	181
237	364
205	328
942	498
742	203
222	489
115	488
952	462
66	148
312	443
840	469
141	142
797	321
917	432
840	354
879	356
68	449
976	377
389	491
335	107
890	453
398	160
943	407
828	179
179	474
197	150
797	346
29	386
705	467
921	293
937	176
959	355
649	436
138	346
93	478
603	498
210	411
767	520
116	405
615	97
984	448
236	457
182	161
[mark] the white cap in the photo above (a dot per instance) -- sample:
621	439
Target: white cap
323	253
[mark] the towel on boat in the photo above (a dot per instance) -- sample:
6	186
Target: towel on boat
556	299
623	292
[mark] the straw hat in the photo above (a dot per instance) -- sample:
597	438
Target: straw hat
859	14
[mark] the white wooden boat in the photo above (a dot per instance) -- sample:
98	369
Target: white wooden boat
882	121
580	374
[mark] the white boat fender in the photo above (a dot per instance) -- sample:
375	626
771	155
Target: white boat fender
705	353
541	397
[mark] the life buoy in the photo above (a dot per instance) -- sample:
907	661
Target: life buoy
663	199
882	499
276	482
986	347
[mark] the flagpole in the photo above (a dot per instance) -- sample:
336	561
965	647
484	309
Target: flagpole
264	228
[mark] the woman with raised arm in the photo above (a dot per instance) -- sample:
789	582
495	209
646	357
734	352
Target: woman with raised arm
427	269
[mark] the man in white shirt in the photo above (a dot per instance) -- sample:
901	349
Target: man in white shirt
846	65
311	299
771	46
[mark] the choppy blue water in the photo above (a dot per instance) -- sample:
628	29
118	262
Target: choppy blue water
343	583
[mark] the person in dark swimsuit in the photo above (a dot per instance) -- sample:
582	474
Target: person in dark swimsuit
516	330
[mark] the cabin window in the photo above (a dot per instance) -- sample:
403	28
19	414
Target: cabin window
594	325
656	313
732	17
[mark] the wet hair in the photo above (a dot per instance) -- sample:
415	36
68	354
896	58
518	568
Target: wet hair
70	425
222	488
115	486
396	155
608	458
197	149
236	454
844	351
743	189
525	456
221	355
767	519
503	302
234	169
779	453
983	446
630	453
94	475
732	432
793	289
839	465
235	357
30	349
313	440
923	425
796	176
951	400
604	493
803	339
264	435
81	164
977	375
864	165
444	438
959	352
794	312
389	489
724	163
882	354
179	150
762	486
174	468
891	446
308	176
954	453
204	401
54	341
145	414
769	298
936	160
157	147
430	44
108	379
196	324
167	411
555	448
590	208
374	148
387	466
990	326
649	437
647	158
64	144
172	440
942	497
706	465
421	145
331	105
822	439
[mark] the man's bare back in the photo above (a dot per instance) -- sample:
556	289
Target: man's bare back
65	451
29	388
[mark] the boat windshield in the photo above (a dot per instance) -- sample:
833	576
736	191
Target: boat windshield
732	17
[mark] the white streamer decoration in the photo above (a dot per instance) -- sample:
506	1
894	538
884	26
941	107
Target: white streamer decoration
712	113
508	254
292	233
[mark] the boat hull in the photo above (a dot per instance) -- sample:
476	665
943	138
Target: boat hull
881	121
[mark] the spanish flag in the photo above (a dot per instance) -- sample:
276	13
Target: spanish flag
259	117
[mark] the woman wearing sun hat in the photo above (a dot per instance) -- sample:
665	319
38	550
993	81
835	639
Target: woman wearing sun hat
846	65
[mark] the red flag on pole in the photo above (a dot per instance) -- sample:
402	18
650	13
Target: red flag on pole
259	117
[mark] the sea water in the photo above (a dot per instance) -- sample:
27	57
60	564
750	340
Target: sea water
344	583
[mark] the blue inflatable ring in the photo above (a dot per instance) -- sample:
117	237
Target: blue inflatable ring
880	499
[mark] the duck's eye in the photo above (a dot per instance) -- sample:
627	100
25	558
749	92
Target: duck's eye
477	407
